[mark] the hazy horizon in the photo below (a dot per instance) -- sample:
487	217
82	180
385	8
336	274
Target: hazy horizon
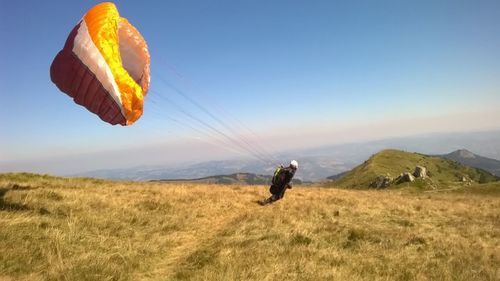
485	143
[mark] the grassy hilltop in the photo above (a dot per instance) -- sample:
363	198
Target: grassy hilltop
84	229
442	173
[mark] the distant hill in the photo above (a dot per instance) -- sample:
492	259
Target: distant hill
391	163
337	176
237	178
468	158
311	168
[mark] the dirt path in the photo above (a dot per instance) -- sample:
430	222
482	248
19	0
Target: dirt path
193	243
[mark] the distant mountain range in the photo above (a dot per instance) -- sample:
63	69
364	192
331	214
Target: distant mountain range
238	178
320	162
468	158
310	168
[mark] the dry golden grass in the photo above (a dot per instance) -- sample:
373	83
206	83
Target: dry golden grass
84	229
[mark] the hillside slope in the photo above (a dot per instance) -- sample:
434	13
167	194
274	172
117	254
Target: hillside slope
442	172
85	229
473	160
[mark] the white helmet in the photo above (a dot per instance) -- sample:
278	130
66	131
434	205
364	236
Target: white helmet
294	164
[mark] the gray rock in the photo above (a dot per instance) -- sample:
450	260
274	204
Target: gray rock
420	172
405	177
382	182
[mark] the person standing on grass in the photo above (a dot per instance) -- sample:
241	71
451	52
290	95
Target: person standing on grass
282	180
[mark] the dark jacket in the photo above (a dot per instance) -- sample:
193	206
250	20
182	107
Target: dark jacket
285	176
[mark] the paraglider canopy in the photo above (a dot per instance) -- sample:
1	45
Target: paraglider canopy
104	66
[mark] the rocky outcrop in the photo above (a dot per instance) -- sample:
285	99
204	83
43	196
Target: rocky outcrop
466	180
382	182
405	177
420	172
386	181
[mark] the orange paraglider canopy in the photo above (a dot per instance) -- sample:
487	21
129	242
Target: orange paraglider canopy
104	66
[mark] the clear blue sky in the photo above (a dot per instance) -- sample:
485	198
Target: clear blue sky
307	66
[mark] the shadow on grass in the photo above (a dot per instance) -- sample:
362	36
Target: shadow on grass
8	206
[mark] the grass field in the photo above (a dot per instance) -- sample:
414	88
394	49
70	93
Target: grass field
85	229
